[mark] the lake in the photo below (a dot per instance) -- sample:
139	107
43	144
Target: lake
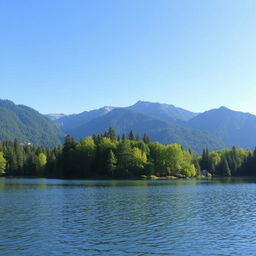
185	217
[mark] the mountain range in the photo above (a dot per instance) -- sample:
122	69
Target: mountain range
214	129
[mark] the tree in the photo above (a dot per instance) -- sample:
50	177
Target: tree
195	162
173	155
19	155
124	154
2	163
146	139
225	168
103	149
131	135
205	161
157	158
68	157
214	160
188	170
188	167
138	161
111	163
111	133
40	162
84	157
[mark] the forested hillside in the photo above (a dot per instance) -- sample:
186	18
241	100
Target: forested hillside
27	125
231	127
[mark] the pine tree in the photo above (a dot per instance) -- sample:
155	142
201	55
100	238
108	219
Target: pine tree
205	161
111	134
111	163
225	168
68	157
131	135
124	155
146	139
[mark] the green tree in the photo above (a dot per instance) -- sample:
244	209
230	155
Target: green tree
2	163
40	163
131	135
111	133
188	170
157	158
111	163
138	161
214	160
146	139
124	156
103	148
68	156
225	168
205	161
173	155
195	162
84	157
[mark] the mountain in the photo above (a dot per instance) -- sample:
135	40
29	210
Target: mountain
165	112
69	122
167	124
123	120
232	127
27	125
55	116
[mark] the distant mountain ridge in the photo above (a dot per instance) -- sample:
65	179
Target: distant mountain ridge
214	129
27	125
69	122
165	112
166	123
231	127
159	121
123	120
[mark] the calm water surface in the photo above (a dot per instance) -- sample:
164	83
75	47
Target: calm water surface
57	217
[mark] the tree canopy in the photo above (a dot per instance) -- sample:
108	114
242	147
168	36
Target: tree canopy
104	155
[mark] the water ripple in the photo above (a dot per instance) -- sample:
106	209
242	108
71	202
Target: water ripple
42	217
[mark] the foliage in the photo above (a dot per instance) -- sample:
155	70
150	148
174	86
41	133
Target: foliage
2	163
107	156
40	163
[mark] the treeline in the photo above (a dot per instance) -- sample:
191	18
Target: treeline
108	156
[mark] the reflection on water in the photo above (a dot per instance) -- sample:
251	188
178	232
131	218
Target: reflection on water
184	217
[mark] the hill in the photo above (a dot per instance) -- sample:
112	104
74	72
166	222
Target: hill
232	127
27	125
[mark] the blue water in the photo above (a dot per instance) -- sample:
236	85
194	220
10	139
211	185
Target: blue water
57	217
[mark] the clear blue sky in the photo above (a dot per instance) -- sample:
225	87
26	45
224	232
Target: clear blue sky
62	56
